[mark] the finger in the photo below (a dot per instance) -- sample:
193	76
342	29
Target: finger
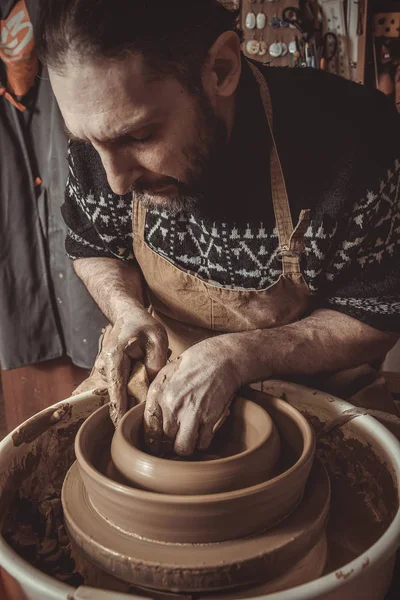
135	348
222	419
186	438
100	366
206	434
170	423
138	384
99	362
156	351
153	419
153	429
208	430
117	367
170	430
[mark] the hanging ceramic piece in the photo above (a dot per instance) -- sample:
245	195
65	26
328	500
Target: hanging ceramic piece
261	20
275	50
253	47
250	20
292	47
284	49
263	48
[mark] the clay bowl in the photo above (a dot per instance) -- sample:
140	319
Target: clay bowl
204	518
244	452
293	551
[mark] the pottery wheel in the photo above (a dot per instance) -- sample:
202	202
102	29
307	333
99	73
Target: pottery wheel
197	567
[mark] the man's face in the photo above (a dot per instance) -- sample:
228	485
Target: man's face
152	136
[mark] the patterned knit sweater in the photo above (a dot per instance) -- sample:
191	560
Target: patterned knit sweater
339	147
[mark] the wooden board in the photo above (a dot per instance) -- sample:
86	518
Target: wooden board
386	25
269	35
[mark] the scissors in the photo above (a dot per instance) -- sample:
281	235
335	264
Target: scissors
329	46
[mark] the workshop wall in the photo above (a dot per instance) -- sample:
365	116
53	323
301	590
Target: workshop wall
357	39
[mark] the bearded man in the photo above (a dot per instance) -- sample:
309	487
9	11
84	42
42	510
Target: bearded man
244	217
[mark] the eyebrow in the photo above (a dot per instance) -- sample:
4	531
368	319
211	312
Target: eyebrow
144	122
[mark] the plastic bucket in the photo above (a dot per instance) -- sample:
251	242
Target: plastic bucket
365	578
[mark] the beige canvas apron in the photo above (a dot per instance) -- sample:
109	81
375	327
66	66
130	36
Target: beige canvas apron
192	309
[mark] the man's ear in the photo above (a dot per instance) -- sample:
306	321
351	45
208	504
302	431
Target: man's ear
223	66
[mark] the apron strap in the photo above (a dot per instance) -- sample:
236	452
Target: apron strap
291	256
290	239
291	244
138	219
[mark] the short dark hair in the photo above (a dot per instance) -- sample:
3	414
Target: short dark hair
173	36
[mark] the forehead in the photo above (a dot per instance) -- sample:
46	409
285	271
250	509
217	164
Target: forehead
104	92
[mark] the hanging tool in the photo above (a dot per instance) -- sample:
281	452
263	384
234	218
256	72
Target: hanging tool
328	50
293	17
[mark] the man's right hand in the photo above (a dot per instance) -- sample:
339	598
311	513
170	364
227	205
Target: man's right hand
118	289
134	336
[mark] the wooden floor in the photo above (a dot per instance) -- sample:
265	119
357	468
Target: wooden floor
28	390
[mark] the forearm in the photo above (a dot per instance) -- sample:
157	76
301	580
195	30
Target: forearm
326	341
116	287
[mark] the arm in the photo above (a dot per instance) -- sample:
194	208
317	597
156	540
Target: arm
194	392
326	341
116	286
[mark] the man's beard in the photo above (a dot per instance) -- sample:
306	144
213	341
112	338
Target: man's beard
203	155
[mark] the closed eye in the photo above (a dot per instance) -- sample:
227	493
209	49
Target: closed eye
141	140
128	140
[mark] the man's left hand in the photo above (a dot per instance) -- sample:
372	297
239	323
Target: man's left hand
190	398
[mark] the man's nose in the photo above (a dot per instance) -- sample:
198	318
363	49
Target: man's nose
122	170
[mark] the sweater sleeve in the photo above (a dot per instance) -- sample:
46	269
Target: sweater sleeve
363	276
99	222
361	273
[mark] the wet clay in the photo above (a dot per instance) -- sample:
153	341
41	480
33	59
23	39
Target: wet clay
30	508
199	542
39	424
40	472
244	452
364	500
198	567
309	567
203	518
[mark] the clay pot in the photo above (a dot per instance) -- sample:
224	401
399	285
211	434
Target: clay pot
248	444
308	568
366	576
202	518
200	567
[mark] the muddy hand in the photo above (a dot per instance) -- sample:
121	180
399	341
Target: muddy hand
131	338
190	398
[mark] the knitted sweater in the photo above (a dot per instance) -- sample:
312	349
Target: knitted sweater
339	147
